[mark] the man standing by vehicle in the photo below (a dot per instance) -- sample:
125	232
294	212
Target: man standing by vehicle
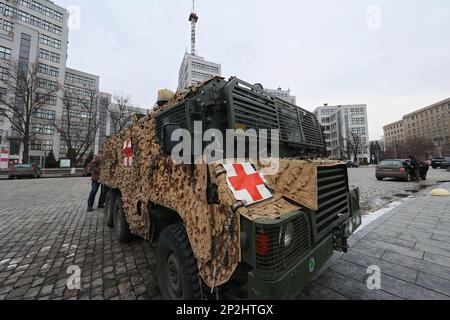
94	167
415	166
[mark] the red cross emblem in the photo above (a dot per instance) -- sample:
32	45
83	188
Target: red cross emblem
128	153
246	183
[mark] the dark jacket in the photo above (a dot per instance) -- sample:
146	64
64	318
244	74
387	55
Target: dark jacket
94	167
415	164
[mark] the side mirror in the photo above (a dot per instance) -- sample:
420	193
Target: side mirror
168	144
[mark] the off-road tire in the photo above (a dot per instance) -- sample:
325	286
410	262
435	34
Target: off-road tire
121	227
174	244
108	210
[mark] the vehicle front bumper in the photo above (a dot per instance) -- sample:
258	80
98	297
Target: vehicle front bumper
290	284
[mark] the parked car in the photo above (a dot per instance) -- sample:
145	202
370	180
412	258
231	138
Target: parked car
400	169
25	171
446	165
351	164
439	163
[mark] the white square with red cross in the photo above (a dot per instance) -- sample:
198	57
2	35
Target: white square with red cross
128	153
246	183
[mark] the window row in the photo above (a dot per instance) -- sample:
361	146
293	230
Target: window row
358	121
41	145
357	111
204	67
46	11
78	114
201	75
44	129
4	73
47	84
49	70
70	77
5	53
6	25
50	56
359	130
28	18
45	114
49	41
79	91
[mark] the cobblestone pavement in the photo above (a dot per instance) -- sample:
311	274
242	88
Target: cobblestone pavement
44	230
410	245
376	194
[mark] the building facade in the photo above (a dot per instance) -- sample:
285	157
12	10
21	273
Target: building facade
394	134
112	117
283	95
430	123
34	32
344	126
195	69
84	89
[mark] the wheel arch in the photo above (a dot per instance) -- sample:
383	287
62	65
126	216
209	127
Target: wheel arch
160	218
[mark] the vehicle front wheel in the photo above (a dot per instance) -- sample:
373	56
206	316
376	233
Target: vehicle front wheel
121	227
380	179
176	265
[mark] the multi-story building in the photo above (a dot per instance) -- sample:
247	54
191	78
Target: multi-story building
195	69
34	32
283	95
345	125
83	89
429	123
394	134
113	117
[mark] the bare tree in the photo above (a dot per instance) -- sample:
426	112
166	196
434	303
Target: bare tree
422	148
120	112
355	145
22	94
80	121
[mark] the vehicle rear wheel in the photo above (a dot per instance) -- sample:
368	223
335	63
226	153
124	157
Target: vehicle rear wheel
121	227
380	179
176	265
108	211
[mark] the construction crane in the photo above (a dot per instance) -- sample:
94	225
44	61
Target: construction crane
193	18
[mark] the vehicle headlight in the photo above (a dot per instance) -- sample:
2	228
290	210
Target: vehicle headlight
287	235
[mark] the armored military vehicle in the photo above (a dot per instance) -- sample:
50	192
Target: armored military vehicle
217	225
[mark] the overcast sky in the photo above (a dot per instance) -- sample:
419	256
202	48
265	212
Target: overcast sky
393	56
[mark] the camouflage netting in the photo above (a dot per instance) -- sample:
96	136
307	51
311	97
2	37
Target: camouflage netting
214	230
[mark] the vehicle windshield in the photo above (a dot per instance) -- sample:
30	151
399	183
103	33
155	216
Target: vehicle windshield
22	166
391	163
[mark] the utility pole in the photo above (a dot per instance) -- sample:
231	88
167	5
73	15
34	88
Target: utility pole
193	18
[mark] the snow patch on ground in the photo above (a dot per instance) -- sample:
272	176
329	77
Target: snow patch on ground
374	216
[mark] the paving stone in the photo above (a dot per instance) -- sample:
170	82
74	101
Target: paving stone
389	239
419	265
435	247
391	269
438	259
434	283
418	254
351	288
